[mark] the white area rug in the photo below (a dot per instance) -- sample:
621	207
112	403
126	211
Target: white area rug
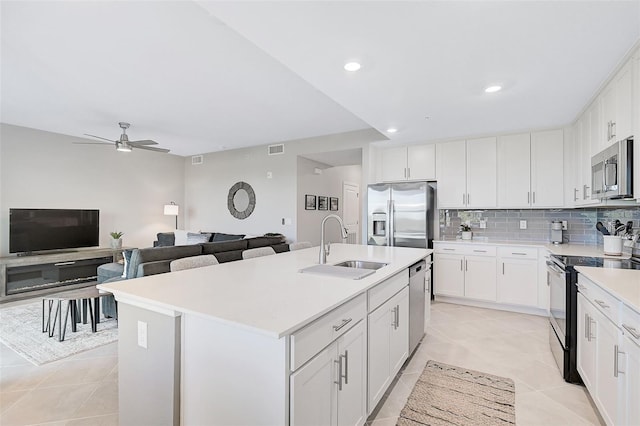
21	330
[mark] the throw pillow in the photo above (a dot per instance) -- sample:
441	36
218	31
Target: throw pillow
181	237
219	236
197	238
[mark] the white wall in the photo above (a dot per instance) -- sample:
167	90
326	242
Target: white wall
46	170
329	184
207	185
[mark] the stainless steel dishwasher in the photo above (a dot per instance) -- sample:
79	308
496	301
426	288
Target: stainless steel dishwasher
416	303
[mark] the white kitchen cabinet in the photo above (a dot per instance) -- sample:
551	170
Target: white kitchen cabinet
467	174
518	276
413	162
514	171
547	174
617	106
330	389
467	271
606	338
388	344
543	279
630	393
451	175
480	278
586	344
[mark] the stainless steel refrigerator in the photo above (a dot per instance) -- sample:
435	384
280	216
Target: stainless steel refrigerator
401	214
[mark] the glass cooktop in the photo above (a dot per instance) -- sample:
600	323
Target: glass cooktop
598	262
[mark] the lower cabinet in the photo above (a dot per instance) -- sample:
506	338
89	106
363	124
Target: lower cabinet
480	278
630	381
471	276
587	329
518	282
331	388
388	344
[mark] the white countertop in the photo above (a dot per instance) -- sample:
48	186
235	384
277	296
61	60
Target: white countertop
624	284
559	249
265	294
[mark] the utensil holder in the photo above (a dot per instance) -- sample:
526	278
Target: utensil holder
612	245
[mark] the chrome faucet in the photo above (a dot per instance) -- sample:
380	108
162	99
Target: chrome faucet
324	251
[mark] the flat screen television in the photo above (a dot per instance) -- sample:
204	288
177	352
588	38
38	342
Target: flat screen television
52	229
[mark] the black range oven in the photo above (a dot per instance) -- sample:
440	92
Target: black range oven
562	279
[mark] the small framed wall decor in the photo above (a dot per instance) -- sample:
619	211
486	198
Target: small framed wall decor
323	202
309	202
333	204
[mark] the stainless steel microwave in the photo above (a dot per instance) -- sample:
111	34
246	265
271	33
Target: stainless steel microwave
612	171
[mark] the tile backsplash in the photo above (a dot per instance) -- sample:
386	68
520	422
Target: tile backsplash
505	224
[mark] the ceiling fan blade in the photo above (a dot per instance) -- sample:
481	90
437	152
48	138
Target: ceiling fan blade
99	137
93	143
143	142
150	148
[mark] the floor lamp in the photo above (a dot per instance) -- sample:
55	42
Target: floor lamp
171	210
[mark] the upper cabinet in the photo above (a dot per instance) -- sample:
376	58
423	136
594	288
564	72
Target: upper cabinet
617	107
414	162
467	174
531	170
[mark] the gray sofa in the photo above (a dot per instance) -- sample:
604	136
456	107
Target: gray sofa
156	260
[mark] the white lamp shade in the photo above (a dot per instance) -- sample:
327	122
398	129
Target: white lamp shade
171	210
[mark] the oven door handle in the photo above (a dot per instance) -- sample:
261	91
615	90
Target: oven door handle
554	268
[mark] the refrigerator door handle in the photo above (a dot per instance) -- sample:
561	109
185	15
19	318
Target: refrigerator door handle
388	223
392	224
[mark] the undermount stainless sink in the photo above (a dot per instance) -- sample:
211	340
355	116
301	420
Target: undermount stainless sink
361	264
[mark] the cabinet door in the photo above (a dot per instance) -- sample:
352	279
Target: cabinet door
399	337
586	354
480	278
394	164
380	321
450	171
421	162
448	274
624	103
606	381
482	173
352	399
514	171
547	174
631	387
518	282
313	390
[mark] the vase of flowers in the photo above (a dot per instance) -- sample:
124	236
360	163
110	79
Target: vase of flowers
465	232
116	239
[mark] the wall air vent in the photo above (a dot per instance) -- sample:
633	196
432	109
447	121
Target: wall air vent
197	159
276	149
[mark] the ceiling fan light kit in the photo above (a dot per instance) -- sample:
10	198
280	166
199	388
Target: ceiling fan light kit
124	144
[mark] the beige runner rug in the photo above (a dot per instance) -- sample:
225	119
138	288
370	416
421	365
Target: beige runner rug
448	395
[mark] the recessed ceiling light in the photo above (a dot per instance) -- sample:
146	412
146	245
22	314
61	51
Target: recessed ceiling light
493	89
352	66
392	130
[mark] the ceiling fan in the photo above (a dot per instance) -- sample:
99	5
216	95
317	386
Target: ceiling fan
124	144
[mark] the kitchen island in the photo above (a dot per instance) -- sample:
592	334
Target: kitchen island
239	343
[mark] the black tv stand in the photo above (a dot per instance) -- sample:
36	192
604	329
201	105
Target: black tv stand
33	274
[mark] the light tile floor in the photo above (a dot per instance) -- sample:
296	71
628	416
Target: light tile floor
83	389
501	343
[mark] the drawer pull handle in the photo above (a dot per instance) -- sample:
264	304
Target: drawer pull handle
632	331
519	254
602	304
480	251
448	249
344	322
63	263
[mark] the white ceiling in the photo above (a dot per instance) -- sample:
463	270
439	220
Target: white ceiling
204	76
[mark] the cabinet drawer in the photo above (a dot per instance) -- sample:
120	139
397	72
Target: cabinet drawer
631	324
310	340
384	291
518	252
448	248
603	301
480	250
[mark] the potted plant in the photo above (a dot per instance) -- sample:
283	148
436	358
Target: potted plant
465	231
116	239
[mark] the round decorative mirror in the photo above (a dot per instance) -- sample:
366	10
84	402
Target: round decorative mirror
241	200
